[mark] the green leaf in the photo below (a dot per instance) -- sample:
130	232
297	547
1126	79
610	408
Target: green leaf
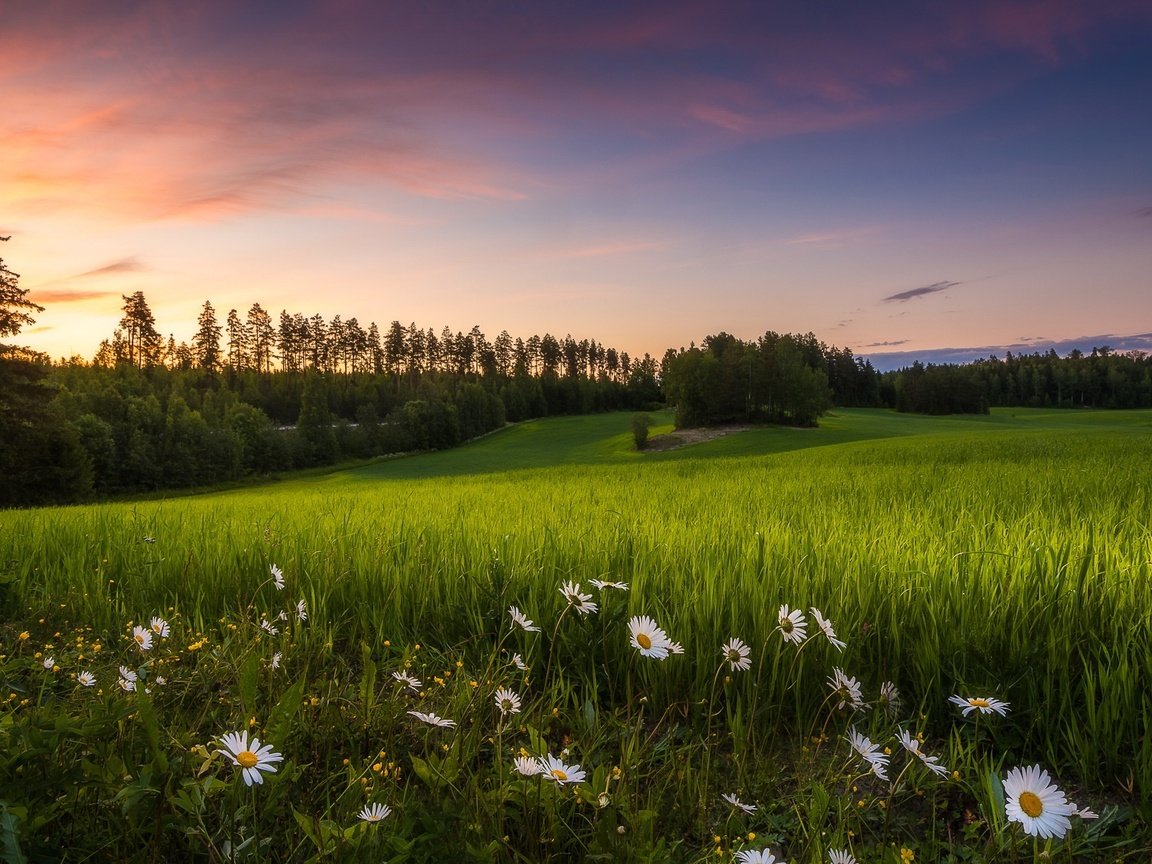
249	678
9	837
281	716
147	714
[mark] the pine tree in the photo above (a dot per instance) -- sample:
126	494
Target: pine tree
14	305
206	342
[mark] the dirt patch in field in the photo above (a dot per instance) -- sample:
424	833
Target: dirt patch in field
686	437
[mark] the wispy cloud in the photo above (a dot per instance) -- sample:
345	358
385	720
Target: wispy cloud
69	295
834	238
124	265
890	344
1145	212
923	291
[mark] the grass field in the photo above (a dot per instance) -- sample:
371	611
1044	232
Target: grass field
1005	556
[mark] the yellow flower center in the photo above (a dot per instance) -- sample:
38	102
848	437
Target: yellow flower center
140	638
559	775
1031	804
247	759
786	625
643	641
979	703
505	704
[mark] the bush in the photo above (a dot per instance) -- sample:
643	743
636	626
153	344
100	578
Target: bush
641	423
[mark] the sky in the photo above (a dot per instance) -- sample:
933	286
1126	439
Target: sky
908	180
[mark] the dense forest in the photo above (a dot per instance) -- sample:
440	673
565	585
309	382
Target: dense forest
249	397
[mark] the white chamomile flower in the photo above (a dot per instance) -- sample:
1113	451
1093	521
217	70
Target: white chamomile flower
301	610
127	685
737	654
142	636
840	856
276	658
160	680
912	745
870	753
127	674
792	625
526	765
602	584
250	756
826	626
1033	800
159	627
268	627
578	599
409	681
432	719
737	803
756	856
649	639
86	679
277	577
889	697
519	618
557	771
49	663
519	663
846	689
1083	812
507	701
983	704
375	812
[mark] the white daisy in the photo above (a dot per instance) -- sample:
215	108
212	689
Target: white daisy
737	654
432	719
375	812
127	674
519	663
756	856
572	593
282	616
268	627
1033	800
846	689
619	586
527	765
301	610
49	663
159	627
825	625
912	745
276	658
675	648
411	682
507	701
553	769
737	803
250	756
160	680
983	704
277	577
889	697
142	636
649	639
869	752
525	623
840	856
86	679
792	625
126	685
1083	812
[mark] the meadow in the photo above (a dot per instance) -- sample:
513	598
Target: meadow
1002	557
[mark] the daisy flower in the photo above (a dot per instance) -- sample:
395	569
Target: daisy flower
869	752
127	674
932	763
889	697
526	765
143	638
160	680
277	577
268	627
411	682
519	663
518	618
846	689
826	626
737	654
675	648
601	584
1083	812
276	658
737	803
159	627
250	756
126	684
49	663
756	856
649	639
375	812
507	701
432	719
983	704
571	592
1033	800
792	625
840	856
86	679
301	610
553	769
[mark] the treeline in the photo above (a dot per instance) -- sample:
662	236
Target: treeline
787	378
148	414
1102	379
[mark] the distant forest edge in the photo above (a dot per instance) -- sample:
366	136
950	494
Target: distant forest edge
246	398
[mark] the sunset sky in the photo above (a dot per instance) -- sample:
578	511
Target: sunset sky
892	179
